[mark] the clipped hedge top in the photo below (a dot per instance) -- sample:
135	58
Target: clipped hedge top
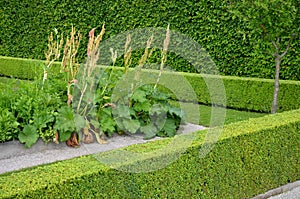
20	61
60	172
243	93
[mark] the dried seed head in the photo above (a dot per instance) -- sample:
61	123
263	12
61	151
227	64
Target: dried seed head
167	39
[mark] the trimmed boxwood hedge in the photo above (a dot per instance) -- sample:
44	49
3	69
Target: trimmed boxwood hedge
249	93
250	158
252	94
23	68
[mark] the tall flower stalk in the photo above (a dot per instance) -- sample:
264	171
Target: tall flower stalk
86	85
127	54
53	52
163	55
69	64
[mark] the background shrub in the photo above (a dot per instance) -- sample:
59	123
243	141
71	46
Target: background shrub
236	50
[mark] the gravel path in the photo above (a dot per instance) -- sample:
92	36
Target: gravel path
288	191
15	156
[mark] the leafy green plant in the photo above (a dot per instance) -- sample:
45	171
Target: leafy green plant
29	135
8	125
42	110
65	123
35	106
149	113
85	87
146	108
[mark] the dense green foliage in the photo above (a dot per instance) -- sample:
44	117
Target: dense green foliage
33	109
250	158
8	125
29	110
234	46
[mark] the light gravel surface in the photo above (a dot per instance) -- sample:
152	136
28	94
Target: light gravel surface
292	194
14	156
288	191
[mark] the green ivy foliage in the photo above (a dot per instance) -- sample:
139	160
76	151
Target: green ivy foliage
236	49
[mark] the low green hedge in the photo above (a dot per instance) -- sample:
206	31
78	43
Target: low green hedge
247	93
252	94
242	93
250	158
23	68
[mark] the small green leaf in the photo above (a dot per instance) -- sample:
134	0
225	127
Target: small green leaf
29	135
131	125
64	135
139	96
170	127
150	131
80	122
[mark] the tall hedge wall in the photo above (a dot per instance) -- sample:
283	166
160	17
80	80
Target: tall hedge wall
25	25
250	158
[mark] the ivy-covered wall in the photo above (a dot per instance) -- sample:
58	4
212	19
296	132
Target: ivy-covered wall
25	25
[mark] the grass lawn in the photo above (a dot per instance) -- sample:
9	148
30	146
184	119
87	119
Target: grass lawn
204	110
231	115
4	81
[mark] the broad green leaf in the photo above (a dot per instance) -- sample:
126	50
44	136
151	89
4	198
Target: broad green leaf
40	121
157	109
107	111
175	111
159	120
142	106
170	127
150	131
139	96
79	121
123	111
95	123
131	125
107	124
65	120
29	135
64	135
160	96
